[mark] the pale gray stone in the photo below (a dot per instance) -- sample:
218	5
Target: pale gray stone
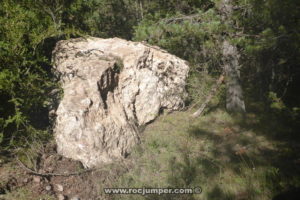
37	179
75	198
59	187
48	187
61	197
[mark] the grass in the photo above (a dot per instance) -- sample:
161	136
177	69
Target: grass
228	157
24	194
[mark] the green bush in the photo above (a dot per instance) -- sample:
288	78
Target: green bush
25	77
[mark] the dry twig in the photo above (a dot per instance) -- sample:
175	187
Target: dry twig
33	172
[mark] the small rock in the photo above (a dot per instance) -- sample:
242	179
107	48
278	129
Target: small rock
68	192
59	187
50	169
48	187
25	180
37	179
61	197
75	198
44	156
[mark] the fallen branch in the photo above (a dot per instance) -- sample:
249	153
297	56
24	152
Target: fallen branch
31	171
194	17
210	96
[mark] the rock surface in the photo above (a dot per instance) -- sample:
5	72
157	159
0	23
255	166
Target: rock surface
111	87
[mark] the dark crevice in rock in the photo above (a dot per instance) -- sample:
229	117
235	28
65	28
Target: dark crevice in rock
142	61
107	83
134	108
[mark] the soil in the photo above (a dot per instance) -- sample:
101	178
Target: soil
86	185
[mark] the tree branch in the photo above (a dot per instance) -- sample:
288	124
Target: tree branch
179	19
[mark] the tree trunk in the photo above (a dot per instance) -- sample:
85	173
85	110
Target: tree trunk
234	94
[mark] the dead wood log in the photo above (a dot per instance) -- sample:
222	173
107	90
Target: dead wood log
210	96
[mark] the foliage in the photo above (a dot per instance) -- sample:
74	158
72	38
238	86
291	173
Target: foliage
197	36
270	44
266	33
25	71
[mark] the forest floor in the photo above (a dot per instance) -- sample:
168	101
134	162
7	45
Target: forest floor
228	157
42	174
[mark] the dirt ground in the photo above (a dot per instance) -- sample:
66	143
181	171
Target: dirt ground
55	179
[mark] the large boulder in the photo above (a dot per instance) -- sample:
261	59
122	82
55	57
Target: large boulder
111	87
